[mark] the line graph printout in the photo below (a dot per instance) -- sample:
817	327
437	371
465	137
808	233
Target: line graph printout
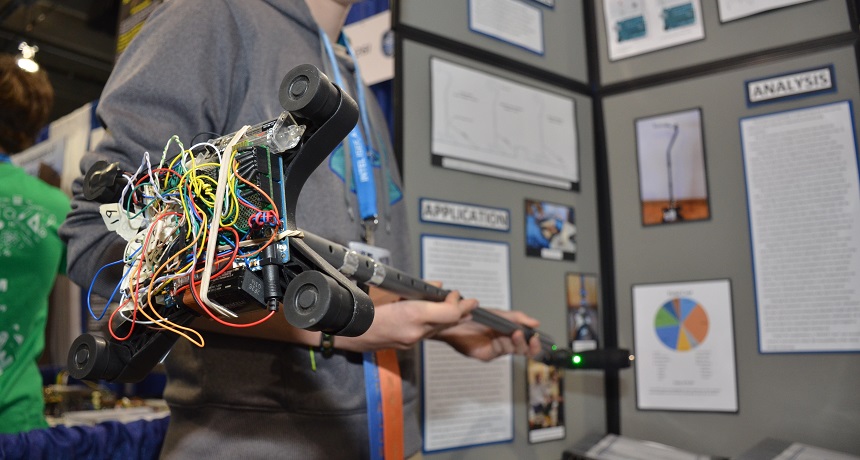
494	126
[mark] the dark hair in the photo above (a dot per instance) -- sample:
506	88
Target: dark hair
26	100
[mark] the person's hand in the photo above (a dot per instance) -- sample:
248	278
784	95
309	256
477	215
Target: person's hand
402	324
480	342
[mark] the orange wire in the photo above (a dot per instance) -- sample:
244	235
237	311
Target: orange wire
136	295
261	248
261	192
192	282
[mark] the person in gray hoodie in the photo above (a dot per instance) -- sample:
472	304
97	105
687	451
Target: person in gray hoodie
213	66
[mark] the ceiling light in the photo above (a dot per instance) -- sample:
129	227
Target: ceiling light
25	59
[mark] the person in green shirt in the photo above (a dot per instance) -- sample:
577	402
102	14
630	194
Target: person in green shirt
31	253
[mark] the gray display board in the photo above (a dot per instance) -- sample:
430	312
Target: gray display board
537	285
808	398
786	26
563	29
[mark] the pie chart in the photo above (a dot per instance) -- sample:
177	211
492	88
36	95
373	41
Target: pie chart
681	324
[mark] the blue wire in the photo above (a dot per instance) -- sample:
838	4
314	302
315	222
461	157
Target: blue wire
90	290
243	200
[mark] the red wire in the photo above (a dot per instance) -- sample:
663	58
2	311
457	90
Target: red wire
157	170
110	322
228	265
137	277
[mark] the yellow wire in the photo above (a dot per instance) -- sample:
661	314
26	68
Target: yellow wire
200	187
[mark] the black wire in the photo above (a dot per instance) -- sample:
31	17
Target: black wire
202	133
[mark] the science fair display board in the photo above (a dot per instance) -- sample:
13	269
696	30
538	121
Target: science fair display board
502	239
779	339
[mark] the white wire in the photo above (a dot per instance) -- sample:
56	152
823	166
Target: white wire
216	223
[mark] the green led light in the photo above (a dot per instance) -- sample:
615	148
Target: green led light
554	347
576	359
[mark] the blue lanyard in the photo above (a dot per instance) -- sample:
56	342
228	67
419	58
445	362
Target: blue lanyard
373	395
365	185
5	158
365	190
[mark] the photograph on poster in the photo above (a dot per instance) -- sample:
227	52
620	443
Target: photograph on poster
583	322
550	230
545	391
684	345
731	10
673	183
635	27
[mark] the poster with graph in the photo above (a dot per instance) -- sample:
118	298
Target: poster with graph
684	346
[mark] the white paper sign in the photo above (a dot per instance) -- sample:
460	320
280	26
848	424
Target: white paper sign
117	220
804	205
799	451
736	9
511	21
466	402
467	215
781	86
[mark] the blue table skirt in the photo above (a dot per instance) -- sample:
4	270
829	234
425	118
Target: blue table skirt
141	439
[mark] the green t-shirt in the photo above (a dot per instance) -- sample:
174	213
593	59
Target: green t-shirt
31	255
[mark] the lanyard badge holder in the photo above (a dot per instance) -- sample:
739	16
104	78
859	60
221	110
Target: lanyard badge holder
386	439
356	146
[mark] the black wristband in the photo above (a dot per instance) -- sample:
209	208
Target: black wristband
326	345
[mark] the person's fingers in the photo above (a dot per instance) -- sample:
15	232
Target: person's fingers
465	305
507	346
432	314
518	340
445	314
534	346
381	296
524	319
498	349
517	317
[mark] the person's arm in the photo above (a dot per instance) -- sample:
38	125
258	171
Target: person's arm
401	324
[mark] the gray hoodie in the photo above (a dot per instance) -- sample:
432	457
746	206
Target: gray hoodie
215	65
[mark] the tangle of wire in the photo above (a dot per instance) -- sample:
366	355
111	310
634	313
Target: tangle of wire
169	198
